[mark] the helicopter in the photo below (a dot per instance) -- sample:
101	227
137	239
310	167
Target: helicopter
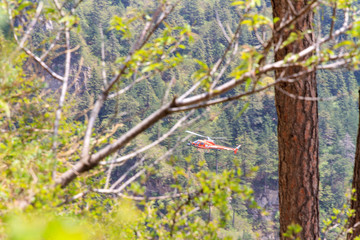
209	144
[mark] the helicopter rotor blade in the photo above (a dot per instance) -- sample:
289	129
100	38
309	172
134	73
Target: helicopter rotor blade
224	141
209	138
196	134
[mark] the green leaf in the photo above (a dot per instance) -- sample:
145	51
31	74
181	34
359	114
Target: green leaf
292	38
344	43
24	5
238	3
202	64
151	67
243	110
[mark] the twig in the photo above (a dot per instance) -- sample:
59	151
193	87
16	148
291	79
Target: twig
147	32
162	138
320	99
27	51
128	87
222	27
142	171
333	17
52	45
109	175
74	198
292	9
62	96
133	167
31	25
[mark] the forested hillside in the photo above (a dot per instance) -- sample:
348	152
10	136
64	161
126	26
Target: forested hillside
102	35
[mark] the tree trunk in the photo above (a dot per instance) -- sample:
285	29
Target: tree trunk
355	204
297	132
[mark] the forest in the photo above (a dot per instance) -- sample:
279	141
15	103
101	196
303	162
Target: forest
96	98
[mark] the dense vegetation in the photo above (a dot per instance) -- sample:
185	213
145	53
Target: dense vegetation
27	155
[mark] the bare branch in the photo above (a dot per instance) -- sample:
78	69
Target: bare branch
44	65
133	167
94	159
189	213
74	198
317	41
222	27
64	52
308	98
304	52
259	38
75	81
163	137
229	30
128	87
139	198
59	8
27	34
109	175
31	25
335	65
52	45
205	103
226	65
64	88
351	229
63	94
329	229
166	95
333	17
76	6
188	92
232	45
147	32
291	6
292	20
142	171
122	91
136	198
278	44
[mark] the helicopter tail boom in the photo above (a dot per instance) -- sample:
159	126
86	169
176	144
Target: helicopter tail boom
236	149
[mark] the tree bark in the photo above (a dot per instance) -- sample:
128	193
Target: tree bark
297	131
355	203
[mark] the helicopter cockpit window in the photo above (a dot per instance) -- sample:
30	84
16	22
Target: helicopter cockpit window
196	142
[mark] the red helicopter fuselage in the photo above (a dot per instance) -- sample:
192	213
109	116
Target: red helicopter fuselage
208	144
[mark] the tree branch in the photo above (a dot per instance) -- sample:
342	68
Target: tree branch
62	96
162	138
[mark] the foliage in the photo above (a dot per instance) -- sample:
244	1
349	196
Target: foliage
185	48
292	231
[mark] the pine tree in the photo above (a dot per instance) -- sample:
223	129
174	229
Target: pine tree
297	135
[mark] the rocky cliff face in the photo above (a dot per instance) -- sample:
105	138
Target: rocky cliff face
268	199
